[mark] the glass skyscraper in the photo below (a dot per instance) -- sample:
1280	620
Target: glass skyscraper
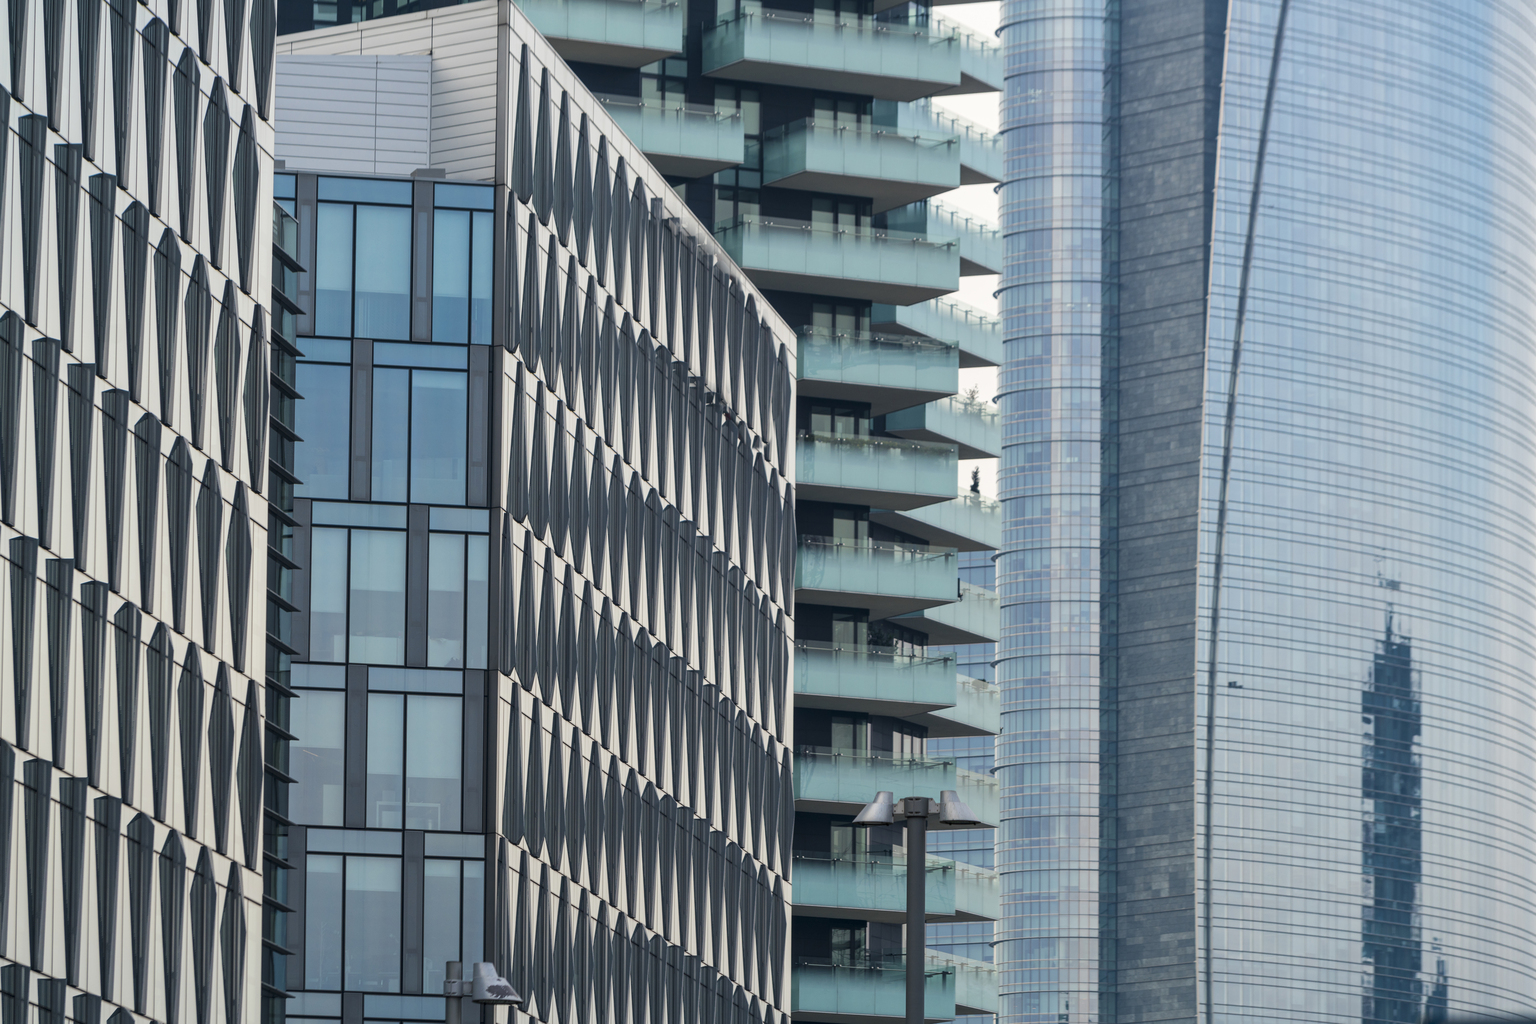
1266	579
543	550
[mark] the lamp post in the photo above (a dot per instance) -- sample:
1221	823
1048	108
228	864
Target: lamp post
483	986
915	812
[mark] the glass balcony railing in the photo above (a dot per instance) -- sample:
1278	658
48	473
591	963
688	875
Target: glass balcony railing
826	776
874	887
969	522
979	242
833	51
981	151
873	679
981	793
882	472
972	424
891	166
975	982
981	58
868	990
974	619
978	335
627	33
685	139
977	710
889	371
849	261
887	577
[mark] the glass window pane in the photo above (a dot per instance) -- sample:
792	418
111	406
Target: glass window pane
328	595
433	763
333	270
480	285
383	272
450	276
439	921
476	609
474	911
318	722
438	436
391	433
324	422
445	601
373	924
386	758
377	632
322	922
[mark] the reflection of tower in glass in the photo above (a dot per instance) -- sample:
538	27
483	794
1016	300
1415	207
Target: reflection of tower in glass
1392	854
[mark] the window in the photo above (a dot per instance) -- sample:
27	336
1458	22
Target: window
453	918
368	296
325	423
666	82
420	434
457	582
357	593
842	419
317	754
842	110
461	264
842	214
352	922
415	749
839	318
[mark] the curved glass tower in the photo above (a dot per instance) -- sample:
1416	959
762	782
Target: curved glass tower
1267	586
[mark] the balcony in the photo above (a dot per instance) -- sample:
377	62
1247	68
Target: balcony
973	619
977	711
683	139
979	336
981	793
891	166
889	371
852	262
873	887
981	152
975	983
968	523
882	472
972	424
833	52
872	991
981	59
873	680
883	576
841	782
979	243
624	33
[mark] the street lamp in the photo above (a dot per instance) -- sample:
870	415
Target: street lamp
915	812
483	986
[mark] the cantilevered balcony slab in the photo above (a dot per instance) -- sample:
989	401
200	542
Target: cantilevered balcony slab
841	782
834	52
977	711
881	472
847	262
981	151
871	992
981	59
891	166
967	523
873	680
873	887
624	33
971	620
975	982
972	425
684	139
979	336
885	577
888	371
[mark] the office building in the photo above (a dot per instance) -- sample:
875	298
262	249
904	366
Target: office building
1267	753
135	169
543	549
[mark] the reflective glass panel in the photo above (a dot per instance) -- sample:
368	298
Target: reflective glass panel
377	623
438	436
324	422
383	272
316	757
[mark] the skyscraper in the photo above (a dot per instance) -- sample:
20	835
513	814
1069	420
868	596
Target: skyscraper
135	165
1266	574
806	137
543	544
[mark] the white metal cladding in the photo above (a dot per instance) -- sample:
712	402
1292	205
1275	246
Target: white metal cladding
355	114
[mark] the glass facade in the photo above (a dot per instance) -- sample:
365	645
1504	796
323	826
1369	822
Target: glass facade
542	637
1283	727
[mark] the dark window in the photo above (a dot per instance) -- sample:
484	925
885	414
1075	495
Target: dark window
82	413
38	779
129	624
258	392
103	250
199	317
59	597
232	936
352	919
159	664
54	15
263	55
178	502
167	311
204	907
221	756
324	422
108	816
237	561
17	9
93	664
32	131
114	465
88	40
141	873
461	265
72	800
247	174
249	773
234	45
216	167
121	30
173	898
226	373
357	591
190	701
210	539
156	63
420	435
205	42
185	89
146	445
135	274
12	372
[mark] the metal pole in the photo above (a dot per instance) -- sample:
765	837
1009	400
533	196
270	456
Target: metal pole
916	810
454	972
